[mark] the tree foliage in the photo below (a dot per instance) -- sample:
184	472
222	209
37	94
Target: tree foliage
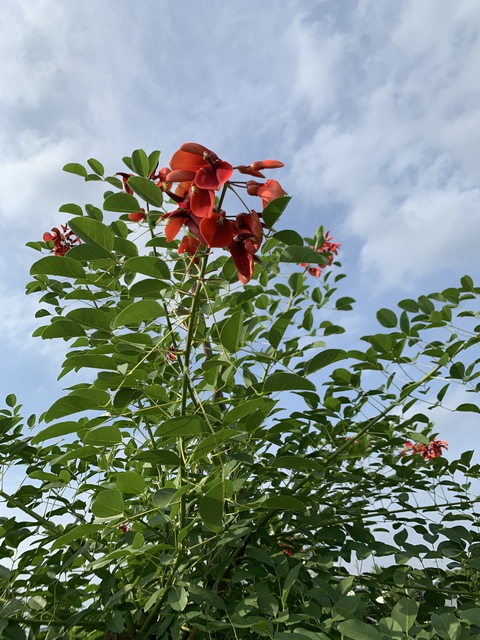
218	467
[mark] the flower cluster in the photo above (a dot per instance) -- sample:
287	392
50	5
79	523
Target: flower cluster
328	247
198	174
62	240
428	451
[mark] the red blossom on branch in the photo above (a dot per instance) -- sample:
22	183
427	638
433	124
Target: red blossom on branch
330	249
139	216
198	174
429	451
62	240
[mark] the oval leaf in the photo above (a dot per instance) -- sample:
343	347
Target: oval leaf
358	630
103	436
284	381
149	266
131	483
147	190
211	507
387	318
121	202
93	232
138	312
283	503
58	266
108	503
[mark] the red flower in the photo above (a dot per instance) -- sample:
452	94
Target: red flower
191	156
189	244
63	240
328	247
213	175
255	168
269	191
428	451
139	216
246	242
125	177
217	230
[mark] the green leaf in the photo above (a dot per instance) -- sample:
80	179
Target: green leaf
121	203
296	462
78	169
294	254
472	615
140	162
58	266
283	503
90	360
177	598
245	408
103	436
387	318
63	329
153	159
211	507
324	358
288	236
274	210
131	483
81	400
125	247
88	252
182	426
80	531
210	443
284	381
358	630
93	232
108	503
70	207
160	457
55	431
94	212
148	288
279	327
149	266
114	621
344	304
96	166
147	190
405	613
230	331
11	400
92	318
409	305
467	406
447	626
138	312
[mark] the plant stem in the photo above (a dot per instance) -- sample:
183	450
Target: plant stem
186	382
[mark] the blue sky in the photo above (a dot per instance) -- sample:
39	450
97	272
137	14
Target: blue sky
373	107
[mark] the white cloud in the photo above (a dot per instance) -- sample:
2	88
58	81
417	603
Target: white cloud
397	149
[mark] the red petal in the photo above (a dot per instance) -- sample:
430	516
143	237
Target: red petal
185	160
172	227
223	170
199	150
206	178
243	261
201	201
217	231
180	175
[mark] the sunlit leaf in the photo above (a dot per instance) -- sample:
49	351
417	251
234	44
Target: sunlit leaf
58	266
108	503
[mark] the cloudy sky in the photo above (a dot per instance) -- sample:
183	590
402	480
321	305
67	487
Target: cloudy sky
372	105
